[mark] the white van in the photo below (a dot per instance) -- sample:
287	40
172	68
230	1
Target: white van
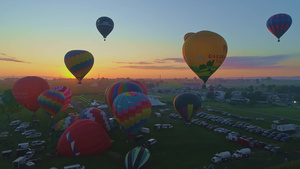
23	145
19	162
151	141
28	132
145	130
75	166
15	123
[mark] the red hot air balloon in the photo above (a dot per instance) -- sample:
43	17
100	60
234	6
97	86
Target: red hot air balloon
27	90
83	137
67	93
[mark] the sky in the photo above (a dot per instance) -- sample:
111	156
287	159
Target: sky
147	38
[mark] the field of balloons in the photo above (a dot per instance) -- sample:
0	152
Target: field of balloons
106	138
85	142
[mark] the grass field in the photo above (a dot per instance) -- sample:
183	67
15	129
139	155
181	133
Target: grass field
180	147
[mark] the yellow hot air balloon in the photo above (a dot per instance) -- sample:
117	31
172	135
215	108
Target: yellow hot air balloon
204	52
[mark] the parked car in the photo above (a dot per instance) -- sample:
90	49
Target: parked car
276	149
15	122
29	154
28	132
268	147
35	135
38	142
151	142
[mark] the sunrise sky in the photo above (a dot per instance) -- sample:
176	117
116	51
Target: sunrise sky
147	38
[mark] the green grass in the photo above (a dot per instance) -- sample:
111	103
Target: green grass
180	147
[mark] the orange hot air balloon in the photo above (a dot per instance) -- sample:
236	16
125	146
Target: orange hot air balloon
204	52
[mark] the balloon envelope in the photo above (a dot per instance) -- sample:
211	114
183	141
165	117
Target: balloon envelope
96	115
79	63
132	110
117	88
104	25
204	52
27	90
278	24
187	105
187	35
138	158
83	137
51	101
65	123
142	85
67	93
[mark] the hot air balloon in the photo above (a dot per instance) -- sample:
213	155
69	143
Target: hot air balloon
51	101
204	52
96	115
132	110
27	90
278	24
67	93
138	158
83	137
65	123
142	85
104	25
187	105
117	88
79	63
187	35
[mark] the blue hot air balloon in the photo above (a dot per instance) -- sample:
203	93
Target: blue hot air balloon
278	24
104	25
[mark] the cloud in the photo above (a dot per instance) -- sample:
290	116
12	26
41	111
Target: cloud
157	67
5	57
138	63
254	62
176	60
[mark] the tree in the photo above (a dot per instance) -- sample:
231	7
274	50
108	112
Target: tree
10	104
228	95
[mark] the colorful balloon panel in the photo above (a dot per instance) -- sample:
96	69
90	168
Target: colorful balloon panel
67	93
117	88
142	85
51	101
83	137
204	52
27	90
79	63
278	24
187	105
96	115
138	158
65	123
132	110
104	25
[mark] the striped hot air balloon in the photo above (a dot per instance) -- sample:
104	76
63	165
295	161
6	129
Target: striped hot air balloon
65	123
51	101
138	158
132	110
187	105
79	63
96	115
118	88
67	93
278	24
